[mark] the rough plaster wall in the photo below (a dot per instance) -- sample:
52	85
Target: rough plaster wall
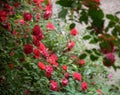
110	6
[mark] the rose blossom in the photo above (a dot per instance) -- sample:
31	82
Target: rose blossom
109	59
36	30
48	12
38	1
3	15
50	26
73	32
52	59
49	71
21	21
7	26
81	62
64	82
84	86
27	16
53	85
71	44
77	76
35	41
41	65
66	75
64	67
36	53
28	48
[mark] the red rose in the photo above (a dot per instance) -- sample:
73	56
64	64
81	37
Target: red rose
43	49
64	82
82	62
16	4
36	53
54	56
53	85
40	36
22	22
38	1
73	32
26	92
50	26
27	16
28	48
52	59
99	92
37	16
7	26
11	66
49	71
3	15
109	59
36	30
84	86
48	75
71	45
64	67
14	32
56	64
35	41
12	53
77	76
48	12
66	75
41	65
8	7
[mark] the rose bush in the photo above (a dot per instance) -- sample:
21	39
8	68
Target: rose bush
38	58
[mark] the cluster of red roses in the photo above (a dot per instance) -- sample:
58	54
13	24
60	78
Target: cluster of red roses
53	84
77	76
6	10
40	49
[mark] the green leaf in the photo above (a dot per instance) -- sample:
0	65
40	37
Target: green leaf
111	24
99	24
86	37
96	14
72	26
88	51
93	41
83	56
96	51
62	13
83	17
110	16
105	45
65	3
93	57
